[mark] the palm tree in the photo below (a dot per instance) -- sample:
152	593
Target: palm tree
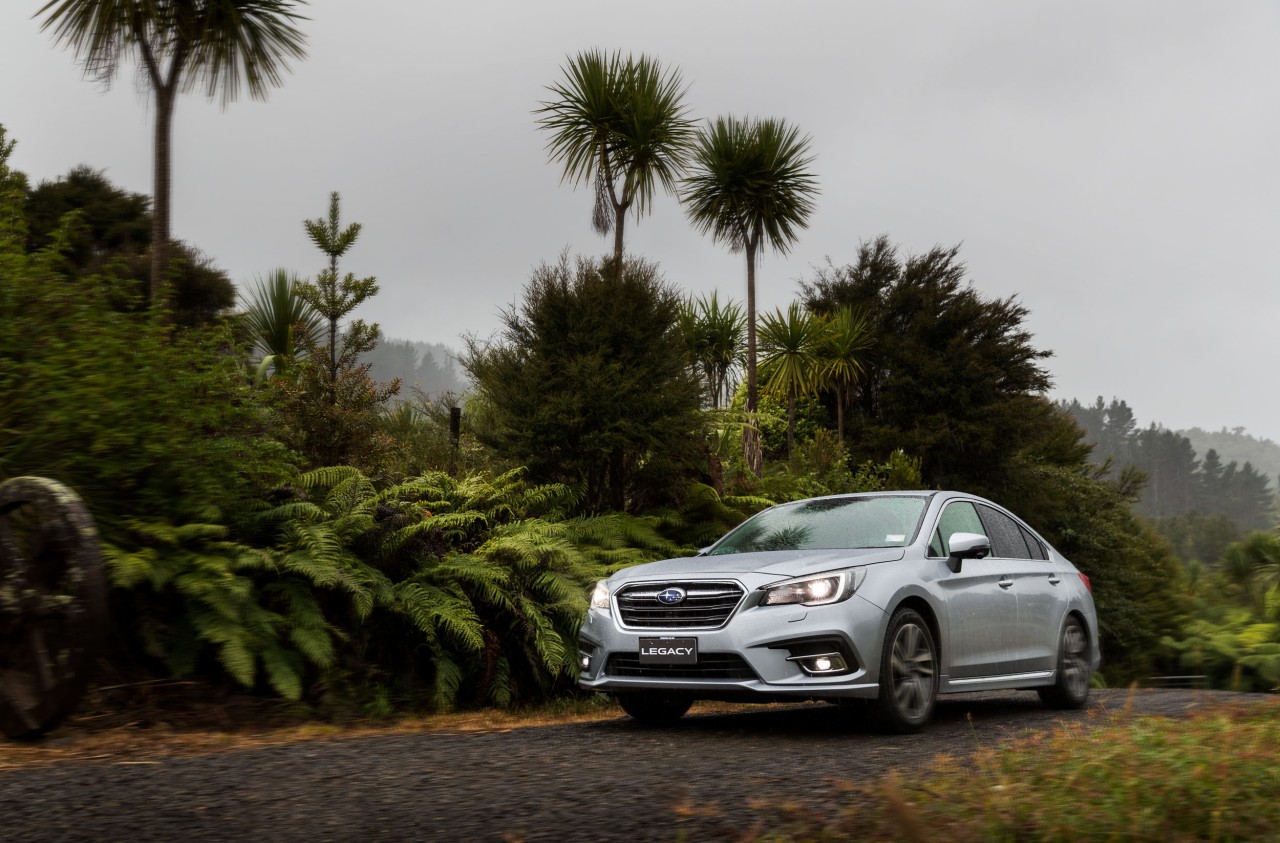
750	186
1253	564
219	44
847	337
279	321
715	335
622	124
790	366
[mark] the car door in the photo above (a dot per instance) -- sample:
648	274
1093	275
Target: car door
981	609
1034	635
1042	603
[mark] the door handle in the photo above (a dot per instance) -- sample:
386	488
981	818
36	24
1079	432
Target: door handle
1005	584
1054	579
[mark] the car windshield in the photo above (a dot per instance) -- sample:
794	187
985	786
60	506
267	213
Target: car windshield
829	524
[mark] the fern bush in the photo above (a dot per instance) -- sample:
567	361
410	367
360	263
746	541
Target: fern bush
437	590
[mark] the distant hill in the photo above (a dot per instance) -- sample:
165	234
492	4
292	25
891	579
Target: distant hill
1237	446
430	367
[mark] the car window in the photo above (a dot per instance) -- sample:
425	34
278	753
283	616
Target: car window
1005	534
958	517
829	524
1034	545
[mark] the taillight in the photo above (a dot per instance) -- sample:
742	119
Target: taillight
1088	585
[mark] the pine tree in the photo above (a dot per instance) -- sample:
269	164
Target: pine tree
334	406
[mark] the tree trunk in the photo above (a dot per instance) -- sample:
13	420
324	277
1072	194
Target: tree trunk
791	425
161	199
840	399
619	218
751	450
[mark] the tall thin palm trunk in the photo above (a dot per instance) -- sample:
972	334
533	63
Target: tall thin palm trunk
752	452
162	198
620	219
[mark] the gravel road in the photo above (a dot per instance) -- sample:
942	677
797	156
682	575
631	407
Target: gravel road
709	778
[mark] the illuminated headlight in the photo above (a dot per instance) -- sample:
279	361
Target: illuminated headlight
600	597
813	591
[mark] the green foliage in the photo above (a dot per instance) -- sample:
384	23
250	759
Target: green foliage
109	236
749	183
750	186
436	591
777	423
1233	634
493	578
846	340
589	384
190	589
333	407
136	417
112	223
954	380
715	336
789	362
705	515
1196	537
279	322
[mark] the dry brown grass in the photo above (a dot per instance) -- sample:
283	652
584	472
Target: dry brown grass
142	722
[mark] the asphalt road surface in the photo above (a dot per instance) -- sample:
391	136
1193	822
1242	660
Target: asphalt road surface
711	777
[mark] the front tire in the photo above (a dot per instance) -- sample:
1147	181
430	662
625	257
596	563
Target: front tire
655	708
908	673
1070	688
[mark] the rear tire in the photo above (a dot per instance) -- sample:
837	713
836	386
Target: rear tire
908	673
655	708
1070	688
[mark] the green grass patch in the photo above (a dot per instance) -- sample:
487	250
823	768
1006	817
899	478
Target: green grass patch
1214	777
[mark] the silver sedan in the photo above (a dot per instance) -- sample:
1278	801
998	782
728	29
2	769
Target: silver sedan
894	597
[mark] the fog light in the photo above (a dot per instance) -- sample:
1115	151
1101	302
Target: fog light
820	664
584	660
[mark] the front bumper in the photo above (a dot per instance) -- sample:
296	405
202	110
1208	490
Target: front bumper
760	652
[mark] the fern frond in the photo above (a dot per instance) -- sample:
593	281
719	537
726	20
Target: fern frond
236	657
284	672
326	477
430	608
447	683
499	690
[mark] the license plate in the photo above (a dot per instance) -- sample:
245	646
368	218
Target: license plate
668	651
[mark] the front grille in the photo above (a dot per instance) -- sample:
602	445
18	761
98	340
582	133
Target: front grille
707	605
709	666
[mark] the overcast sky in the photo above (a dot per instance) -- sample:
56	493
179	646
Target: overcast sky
1114	165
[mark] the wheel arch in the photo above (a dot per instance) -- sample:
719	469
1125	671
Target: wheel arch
926	611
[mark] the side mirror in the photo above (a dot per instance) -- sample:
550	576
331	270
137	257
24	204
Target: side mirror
967	546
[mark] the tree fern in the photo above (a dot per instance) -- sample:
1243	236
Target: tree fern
284	671
446	615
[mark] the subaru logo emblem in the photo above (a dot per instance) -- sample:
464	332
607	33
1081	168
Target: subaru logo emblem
671	596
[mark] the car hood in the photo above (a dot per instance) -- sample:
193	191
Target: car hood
779	563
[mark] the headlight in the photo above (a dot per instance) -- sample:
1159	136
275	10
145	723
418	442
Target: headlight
600	597
813	591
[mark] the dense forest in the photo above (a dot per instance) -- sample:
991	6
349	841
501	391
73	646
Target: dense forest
1179	480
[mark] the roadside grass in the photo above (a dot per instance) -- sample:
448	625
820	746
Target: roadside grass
1214	776
171	723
